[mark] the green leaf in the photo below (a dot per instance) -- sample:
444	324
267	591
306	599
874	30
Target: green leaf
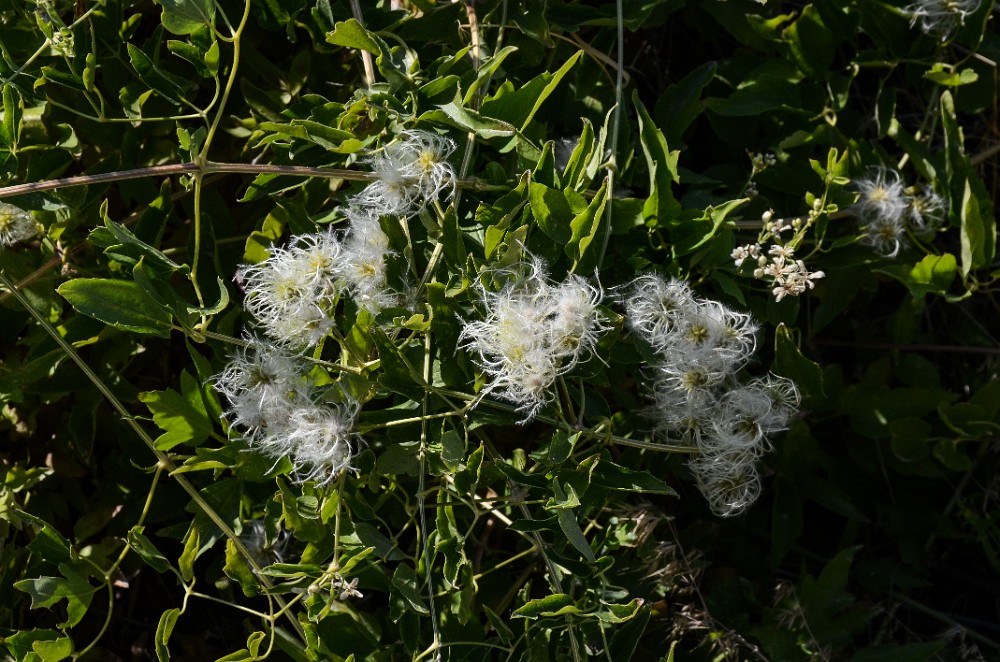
626	638
503	631
690	234
10	127
236	568
661	206
789	362
187	16
932	275
555	210
121	244
584	226
552	605
73	587
352	34
812	45
145	548
164	628
619	613
181	416
567	521
53	650
518	106
168	85
122	304
486	71
610	475
404	594
943	74
397	375
978	226
469	120
681	103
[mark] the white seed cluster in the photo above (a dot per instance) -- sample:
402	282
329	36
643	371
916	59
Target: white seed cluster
16	225
887	209
273	401
534	331
293	295
698	397
294	292
940	18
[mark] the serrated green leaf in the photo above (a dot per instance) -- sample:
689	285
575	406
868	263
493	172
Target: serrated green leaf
181	416
122	304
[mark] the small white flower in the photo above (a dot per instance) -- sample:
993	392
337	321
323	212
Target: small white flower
741	254
16	225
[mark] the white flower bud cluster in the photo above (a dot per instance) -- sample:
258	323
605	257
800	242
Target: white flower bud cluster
534	332
16	225
271	398
698	396
786	275
887	209
940	18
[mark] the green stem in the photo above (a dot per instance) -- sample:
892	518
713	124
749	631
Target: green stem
211	167
421	500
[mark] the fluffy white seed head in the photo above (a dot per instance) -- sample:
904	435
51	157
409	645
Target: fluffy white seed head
881	197
656	306
408	170
317	438
533	332
940	18
291	292
262	383
16	225
729	482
